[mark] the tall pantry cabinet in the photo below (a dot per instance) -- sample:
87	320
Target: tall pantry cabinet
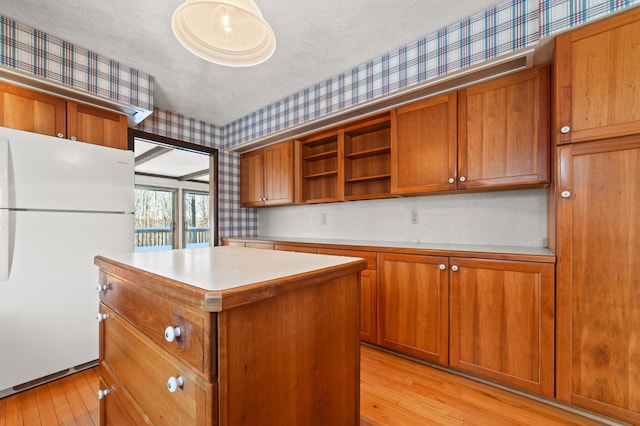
597	196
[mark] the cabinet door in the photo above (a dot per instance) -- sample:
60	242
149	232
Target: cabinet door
503	129
32	111
117	407
251	172
423	146
278	174
598	79
598	287
97	126
502	322
413	305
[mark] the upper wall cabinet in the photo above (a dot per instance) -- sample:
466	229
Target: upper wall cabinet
266	176
503	132
597	81
37	112
423	146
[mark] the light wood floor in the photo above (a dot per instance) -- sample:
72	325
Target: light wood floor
394	391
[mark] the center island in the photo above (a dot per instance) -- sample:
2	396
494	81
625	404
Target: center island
229	336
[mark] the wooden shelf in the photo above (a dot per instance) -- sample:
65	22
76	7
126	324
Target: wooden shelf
369	178
369	152
322	174
321	155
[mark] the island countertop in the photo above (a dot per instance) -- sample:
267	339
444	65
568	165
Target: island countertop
217	278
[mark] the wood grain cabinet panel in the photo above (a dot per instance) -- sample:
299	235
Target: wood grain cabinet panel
266	176
502	322
368	291
97	126
423	146
598	280
413	305
597	80
32	111
503	131
38	112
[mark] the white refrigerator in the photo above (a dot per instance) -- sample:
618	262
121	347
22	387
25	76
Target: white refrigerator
61	203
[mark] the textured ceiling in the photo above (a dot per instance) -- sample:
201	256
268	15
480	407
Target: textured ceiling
315	40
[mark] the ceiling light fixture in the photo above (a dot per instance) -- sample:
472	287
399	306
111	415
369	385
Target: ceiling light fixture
225	32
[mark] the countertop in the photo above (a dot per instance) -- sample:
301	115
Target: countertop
214	273
440	248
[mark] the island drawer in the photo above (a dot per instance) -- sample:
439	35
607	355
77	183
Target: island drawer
151	313
115	399
145	370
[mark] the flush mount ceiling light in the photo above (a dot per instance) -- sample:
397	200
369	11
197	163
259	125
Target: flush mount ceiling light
225	32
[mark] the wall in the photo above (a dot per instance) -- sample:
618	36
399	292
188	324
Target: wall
514	218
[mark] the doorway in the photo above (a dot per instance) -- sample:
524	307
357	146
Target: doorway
176	193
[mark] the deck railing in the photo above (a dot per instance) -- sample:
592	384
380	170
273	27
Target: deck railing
153	237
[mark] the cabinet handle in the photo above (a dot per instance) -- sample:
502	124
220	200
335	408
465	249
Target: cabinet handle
102	393
170	333
102	287
565	129
60	135
452	180
174	383
565	194
73	138
442	266
454	268
102	317
462	178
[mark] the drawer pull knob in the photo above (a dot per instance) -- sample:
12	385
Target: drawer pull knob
170	333
174	383
452	180
565	129
102	393
455	268
102	287
442	267
463	178
102	317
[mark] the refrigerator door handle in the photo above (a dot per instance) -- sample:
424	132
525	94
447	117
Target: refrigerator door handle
5	235
5	245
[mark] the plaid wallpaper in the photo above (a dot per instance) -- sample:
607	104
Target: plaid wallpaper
502	29
32	51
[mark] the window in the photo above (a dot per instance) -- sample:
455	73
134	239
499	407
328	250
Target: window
175	184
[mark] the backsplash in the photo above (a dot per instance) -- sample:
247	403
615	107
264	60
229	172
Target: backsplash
512	218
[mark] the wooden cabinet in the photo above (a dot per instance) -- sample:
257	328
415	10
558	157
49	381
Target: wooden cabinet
367	163
32	111
266	176
598	284
97	126
322	167
368	291
251	344
502	322
492	135
38	112
413	305
597	80
503	132
423	146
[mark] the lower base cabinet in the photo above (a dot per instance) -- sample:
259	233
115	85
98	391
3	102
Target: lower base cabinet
413	305
502	322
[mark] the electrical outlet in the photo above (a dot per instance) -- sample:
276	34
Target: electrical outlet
413	219
323	218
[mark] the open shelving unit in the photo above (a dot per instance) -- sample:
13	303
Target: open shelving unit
367	159
321	168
